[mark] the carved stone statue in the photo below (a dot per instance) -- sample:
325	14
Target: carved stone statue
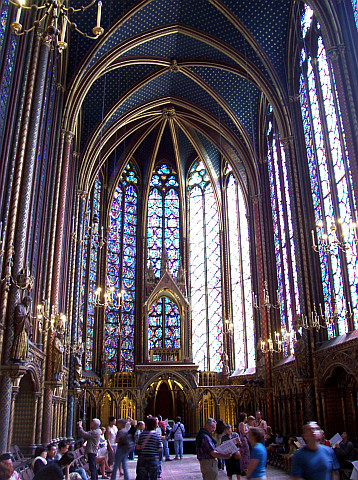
57	356
225	373
300	356
77	368
22	330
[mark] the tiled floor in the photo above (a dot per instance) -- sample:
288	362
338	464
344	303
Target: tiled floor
189	469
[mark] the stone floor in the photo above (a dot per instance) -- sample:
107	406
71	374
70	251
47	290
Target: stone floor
189	469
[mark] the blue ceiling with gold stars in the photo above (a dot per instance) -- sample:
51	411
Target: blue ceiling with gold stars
210	61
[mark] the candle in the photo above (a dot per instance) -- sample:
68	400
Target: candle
320	309
99	14
18	13
63	33
313	241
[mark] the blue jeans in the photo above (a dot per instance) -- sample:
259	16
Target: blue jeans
80	471
165	448
178	447
120	458
147	468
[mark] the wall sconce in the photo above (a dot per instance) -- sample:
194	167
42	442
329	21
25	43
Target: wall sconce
330	242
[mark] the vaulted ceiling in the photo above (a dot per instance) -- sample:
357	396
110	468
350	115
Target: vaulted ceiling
176	79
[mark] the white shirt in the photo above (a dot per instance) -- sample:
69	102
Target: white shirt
112	434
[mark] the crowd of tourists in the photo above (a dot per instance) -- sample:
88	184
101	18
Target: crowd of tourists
245	452
108	449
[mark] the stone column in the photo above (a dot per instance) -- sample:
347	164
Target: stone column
19	215
5	400
9	386
81	198
66	156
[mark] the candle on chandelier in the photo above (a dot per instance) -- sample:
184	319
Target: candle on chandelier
313	240
99	14
63	33
18	13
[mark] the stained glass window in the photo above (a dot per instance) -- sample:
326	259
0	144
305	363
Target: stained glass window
164	325
355	11
163	219
87	316
240	272
285	256
121	274
205	270
331	182
8	59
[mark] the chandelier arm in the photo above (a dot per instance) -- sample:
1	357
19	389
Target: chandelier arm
66	9
86	35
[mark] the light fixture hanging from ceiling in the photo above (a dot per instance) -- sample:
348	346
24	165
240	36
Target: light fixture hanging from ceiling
56	15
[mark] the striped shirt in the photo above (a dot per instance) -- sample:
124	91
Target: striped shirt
152	444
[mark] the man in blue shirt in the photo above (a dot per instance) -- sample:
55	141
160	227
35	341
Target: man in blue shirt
314	461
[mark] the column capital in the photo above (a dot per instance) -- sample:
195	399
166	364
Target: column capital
256	199
46	40
67	135
82	194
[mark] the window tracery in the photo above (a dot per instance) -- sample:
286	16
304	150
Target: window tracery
330	177
240	273
284	244
121	274
205	270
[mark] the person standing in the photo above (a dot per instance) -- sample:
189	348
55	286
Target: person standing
149	446
260	422
344	451
93	438
178	432
165	433
206	452
258	455
245	449
123	448
233	463
111	434
314	461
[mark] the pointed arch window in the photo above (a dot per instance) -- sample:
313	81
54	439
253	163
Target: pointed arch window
163	228
164	325
87	317
121	274
284	243
205	270
330	177
240	274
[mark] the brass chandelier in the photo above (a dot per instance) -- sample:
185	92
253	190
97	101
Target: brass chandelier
56	14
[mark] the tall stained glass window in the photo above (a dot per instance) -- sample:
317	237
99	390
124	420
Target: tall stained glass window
163	230
355	11
240	272
8	59
205	270
286	265
121	274
330	177
87	317
164	325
